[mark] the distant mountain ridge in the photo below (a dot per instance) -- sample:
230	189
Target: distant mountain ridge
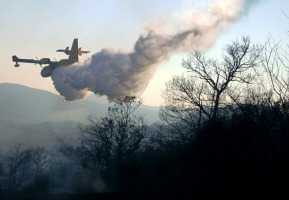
25	104
36	116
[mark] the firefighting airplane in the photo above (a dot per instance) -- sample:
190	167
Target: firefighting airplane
73	54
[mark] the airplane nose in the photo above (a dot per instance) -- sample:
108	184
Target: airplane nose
47	71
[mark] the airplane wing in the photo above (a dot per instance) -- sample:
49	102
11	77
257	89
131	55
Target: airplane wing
73	57
43	61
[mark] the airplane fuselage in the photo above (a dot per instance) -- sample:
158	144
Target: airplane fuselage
48	70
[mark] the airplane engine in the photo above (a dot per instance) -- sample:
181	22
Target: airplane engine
47	71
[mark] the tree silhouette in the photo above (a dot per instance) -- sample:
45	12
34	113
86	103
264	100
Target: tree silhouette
199	97
24	166
108	143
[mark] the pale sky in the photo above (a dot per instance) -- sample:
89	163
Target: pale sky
34	28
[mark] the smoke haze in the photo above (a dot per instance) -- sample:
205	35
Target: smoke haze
117	74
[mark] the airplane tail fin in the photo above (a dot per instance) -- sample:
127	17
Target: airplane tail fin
74	52
73	57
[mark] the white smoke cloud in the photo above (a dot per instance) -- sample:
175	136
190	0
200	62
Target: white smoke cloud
118	74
